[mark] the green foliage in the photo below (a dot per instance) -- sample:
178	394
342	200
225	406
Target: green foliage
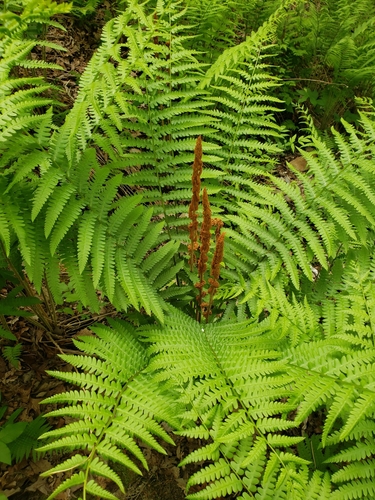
119	403
19	439
278	386
85	7
13	304
245	390
326	51
318	217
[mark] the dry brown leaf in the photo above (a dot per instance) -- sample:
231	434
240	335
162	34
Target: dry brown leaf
40	466
39	485
9	493
299	164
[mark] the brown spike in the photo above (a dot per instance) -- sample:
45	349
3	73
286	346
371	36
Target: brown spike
205	235
215	272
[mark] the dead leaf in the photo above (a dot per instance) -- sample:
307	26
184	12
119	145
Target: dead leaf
65	495
299	164
84	332
9	493
39	485
40	466
176	472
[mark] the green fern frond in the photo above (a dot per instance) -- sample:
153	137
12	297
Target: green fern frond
25	444
215	400
362	488
342	398
113	409
329	204
12	354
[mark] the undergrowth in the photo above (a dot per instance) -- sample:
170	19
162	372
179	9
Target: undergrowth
244	297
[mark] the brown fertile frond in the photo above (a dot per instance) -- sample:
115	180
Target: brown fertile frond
215	271
205	239
193	208
218	257
218	224
205	236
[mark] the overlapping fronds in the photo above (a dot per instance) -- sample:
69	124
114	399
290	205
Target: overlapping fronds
20	96
302	225
278	386
245	390
235	388
114	236
328	54
244	385
117	406
139	104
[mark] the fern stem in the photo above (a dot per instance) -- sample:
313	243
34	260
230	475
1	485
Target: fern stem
234	135
78	324
30	293
316	80
153	135
50	337
49	302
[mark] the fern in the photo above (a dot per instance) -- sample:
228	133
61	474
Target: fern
13	305
322	208
113	408
237	387
278	384
328	52
19	439
123	110
27	442
12	354
18	102
25	127
254	413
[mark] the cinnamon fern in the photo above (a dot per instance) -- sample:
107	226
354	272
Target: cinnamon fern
275	382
